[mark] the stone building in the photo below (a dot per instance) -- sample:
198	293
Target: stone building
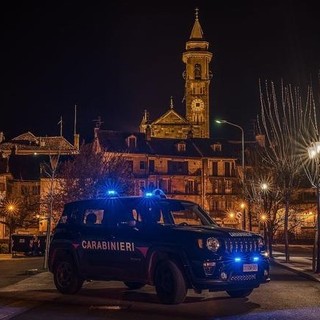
21	163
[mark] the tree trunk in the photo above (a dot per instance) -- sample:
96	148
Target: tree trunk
270	239
10	241
286	227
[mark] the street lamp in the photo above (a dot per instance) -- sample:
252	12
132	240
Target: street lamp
314	153
242	141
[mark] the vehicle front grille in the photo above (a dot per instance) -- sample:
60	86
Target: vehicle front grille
243	277
243	244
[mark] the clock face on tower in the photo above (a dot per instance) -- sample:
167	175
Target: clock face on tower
197	105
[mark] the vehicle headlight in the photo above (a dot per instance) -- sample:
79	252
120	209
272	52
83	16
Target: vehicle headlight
213	244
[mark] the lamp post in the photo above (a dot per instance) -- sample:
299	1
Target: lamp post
242	156
264	217
242	142
314	153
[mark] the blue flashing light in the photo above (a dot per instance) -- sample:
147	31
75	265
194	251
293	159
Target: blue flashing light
255	259
148	194
112	193
237	259
157	193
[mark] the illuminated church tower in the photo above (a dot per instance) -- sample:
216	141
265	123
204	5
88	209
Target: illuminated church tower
197	80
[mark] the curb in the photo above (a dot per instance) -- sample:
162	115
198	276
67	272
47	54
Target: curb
290	267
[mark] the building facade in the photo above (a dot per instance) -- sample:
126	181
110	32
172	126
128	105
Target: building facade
22	162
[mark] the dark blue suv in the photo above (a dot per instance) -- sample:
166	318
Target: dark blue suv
170	244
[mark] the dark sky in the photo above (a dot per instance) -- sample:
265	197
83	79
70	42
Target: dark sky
116	58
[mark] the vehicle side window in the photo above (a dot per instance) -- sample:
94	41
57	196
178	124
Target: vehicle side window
129	217
70	215
93	216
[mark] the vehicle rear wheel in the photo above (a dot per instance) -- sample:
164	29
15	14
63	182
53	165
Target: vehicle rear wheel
239	293
134	285
65	276
170	284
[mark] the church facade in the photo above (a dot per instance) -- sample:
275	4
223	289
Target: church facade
197	76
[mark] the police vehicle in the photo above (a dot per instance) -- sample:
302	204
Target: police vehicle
170	244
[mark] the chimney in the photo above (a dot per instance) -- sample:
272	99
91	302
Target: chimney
76	141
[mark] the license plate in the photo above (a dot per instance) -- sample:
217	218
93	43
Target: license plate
252	267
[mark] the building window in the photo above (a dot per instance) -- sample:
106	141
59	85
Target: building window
227	169
222	205
2	187
181	147
191	187
24	190
178	167
132	142
215	168
216	147
142	165
217	186
165	185
228	186
151	165
129	164
197	71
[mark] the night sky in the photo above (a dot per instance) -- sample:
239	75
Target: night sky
114	59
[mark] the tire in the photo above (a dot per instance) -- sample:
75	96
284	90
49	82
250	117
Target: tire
239	293
65	276
134	285
170	284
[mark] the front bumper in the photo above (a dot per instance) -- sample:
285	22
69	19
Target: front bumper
228	274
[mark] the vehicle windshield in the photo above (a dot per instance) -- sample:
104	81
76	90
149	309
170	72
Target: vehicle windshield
173	213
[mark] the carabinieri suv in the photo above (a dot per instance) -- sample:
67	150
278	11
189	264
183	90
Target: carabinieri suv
170	244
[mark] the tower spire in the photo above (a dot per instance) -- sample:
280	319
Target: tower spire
196	32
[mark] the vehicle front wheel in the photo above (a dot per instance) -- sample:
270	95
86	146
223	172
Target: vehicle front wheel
134	285
170	284
65	276
239	293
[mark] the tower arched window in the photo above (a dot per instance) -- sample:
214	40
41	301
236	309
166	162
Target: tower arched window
197	71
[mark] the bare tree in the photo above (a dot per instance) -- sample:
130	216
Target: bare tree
281	121
86	175
310	141
50	170
264	201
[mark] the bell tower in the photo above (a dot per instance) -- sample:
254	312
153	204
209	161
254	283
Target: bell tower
197	81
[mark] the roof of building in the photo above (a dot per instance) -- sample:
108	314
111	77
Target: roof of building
28	142
118	141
